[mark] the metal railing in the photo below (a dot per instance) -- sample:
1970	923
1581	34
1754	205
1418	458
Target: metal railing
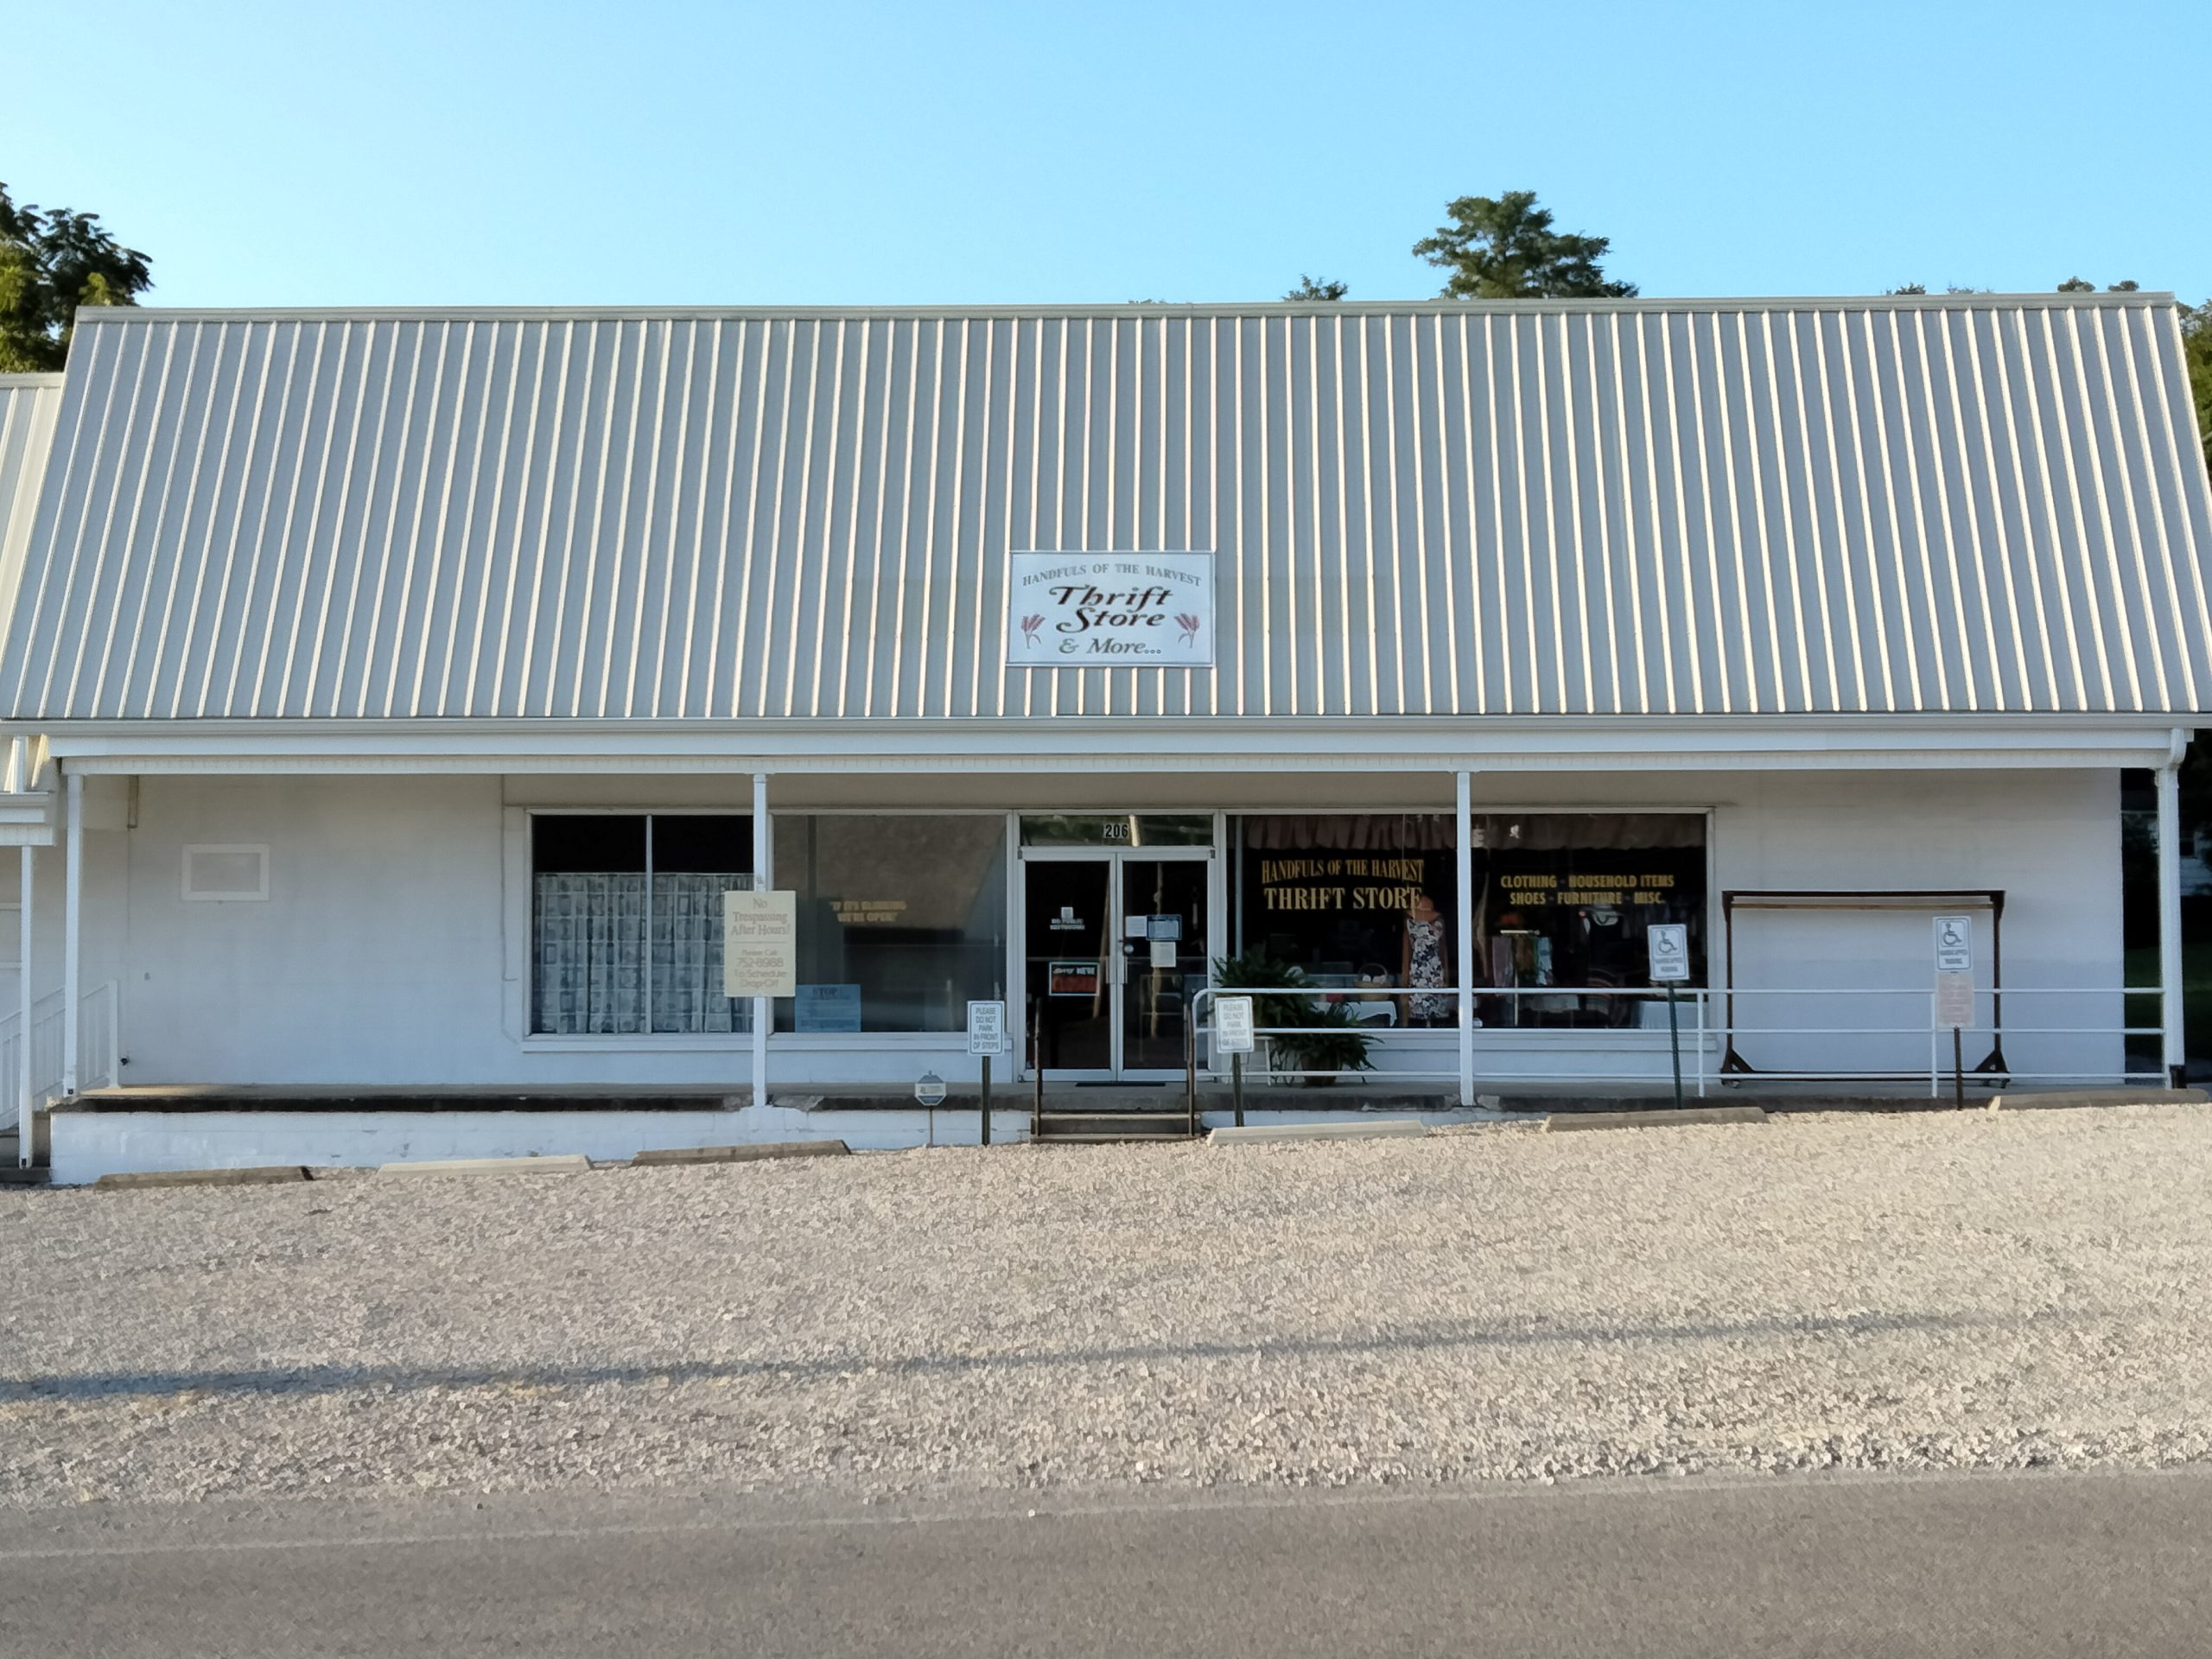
99	1058
1709	1050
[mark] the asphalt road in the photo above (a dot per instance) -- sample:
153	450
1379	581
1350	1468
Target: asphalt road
2019	1565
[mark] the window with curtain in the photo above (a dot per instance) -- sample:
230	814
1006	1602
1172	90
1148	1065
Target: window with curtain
626	922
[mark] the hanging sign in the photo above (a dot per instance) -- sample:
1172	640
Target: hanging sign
1669	945
1072	979
1109	610
1232	1024
986	1028
759	944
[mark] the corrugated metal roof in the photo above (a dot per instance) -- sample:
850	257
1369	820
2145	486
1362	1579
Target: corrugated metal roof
27	405
1964	504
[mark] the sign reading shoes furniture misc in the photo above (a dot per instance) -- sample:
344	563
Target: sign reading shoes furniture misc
1109	610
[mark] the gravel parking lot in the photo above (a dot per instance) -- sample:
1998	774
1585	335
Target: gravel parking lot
1940	1291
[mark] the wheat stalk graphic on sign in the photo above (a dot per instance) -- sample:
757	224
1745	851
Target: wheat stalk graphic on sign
1029	626
1189	624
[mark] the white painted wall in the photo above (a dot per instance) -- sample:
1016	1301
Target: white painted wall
2050	840
386	952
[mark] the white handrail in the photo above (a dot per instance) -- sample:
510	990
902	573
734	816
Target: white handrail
99	1044
1698	1034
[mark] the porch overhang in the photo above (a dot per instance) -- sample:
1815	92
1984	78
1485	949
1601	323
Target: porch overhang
1120	745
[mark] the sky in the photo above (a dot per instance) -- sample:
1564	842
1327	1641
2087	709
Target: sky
741	154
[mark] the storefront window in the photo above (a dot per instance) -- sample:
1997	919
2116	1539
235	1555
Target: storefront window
902	919
1358	902
627	921
1564	900
1368	900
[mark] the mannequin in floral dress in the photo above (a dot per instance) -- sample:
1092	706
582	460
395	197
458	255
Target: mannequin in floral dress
1425	963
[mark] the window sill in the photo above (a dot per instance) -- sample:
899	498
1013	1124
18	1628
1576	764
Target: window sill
741	1042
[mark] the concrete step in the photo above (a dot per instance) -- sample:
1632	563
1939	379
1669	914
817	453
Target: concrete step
1118	1118
1116	1122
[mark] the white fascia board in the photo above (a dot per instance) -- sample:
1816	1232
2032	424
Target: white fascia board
1123	746
27	819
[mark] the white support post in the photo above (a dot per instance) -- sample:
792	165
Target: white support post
72	916
2170	969
1462	950
26	1108
764	879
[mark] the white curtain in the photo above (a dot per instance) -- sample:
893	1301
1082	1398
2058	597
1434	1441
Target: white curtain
591	953
686	928
600	935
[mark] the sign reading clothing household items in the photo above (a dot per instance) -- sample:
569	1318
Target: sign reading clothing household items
986	1028
1955	971
1109	610
1670	943
1232	1024
759	944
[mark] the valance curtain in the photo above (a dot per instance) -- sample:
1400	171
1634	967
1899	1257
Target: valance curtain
1432	832
1349	832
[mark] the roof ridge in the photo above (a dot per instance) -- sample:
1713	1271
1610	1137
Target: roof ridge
1646	304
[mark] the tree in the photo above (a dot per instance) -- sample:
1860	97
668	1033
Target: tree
1505	248
1308	289
2196	351
51	260
1907	287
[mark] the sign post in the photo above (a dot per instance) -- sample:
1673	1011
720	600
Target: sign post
760	960
1232	1035
1670	945
986	1036
1954	993
929	1094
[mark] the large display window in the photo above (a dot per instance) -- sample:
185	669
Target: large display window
626	922
902	918
1359	903
1366	906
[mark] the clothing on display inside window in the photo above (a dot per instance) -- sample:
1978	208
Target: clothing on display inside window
1560	903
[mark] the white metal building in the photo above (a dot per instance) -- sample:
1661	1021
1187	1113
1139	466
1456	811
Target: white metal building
393	695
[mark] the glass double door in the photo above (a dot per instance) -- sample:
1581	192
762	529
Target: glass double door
1115	944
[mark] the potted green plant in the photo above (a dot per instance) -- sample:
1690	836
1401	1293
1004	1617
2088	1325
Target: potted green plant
1332	1042
1327	1038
